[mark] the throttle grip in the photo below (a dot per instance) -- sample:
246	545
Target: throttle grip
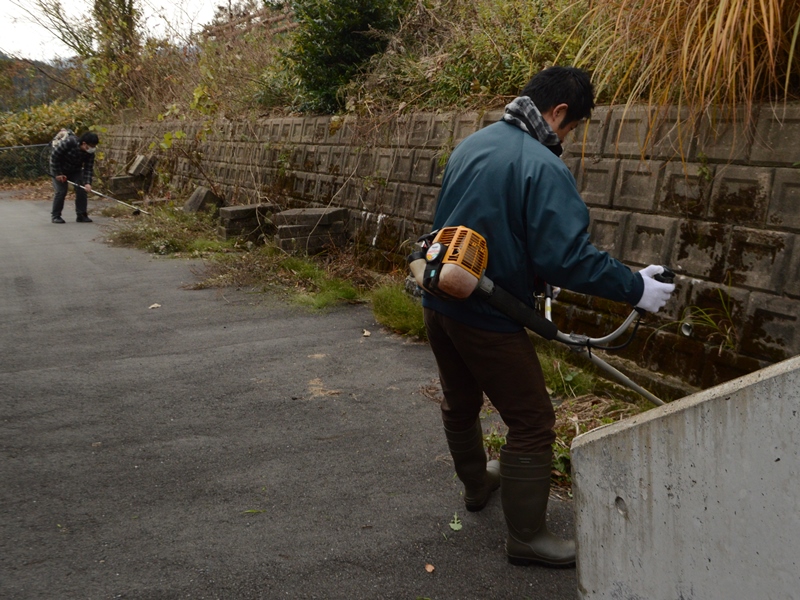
668	276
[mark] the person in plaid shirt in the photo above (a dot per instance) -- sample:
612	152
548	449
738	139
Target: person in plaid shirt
72	159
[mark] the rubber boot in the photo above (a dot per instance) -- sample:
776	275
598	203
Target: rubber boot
480	478
525	492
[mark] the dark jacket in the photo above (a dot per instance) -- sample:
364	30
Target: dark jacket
516	193
68	159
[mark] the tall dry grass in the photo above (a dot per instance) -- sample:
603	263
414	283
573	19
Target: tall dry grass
701	54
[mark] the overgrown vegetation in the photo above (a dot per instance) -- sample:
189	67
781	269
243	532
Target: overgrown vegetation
369	57
38	124
709	56
168	230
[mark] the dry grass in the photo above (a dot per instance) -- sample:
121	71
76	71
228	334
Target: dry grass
710	56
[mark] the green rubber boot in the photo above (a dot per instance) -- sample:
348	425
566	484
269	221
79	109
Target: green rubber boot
525	492
480	478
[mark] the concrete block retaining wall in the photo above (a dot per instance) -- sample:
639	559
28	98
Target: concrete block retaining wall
726	218
696	500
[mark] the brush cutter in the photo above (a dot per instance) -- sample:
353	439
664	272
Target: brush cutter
450	263
136	209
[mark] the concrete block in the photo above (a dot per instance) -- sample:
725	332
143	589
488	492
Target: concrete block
690	500
607	229
327	187
337	159
597	181
464	125
419	129
365	162
777	135
792	284
426	204
143	165
700	250
637	185
574	165
405	201
403	164
491	116
724	307
770	330
377	196
384	162
686	189
628	131
784	204
649	239
674	136
677	355
423	165
310	216
727	138
399	131
124	187
389	233
296	125
740	195
441	130
758	259
725	365
237	228
238	213
202	199
297	157
438	166
301	183
589	139
311	158
314	130
305	230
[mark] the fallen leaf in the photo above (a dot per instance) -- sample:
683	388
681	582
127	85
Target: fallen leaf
366	333
154	306
430	568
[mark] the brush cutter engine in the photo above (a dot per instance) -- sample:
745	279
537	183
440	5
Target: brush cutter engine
449	262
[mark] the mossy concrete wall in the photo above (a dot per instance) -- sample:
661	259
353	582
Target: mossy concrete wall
722	207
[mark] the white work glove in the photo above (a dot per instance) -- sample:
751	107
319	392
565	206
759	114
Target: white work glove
655	293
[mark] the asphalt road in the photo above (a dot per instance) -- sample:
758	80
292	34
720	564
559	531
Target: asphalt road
222	445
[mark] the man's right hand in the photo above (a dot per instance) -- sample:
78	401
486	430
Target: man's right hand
61	178
655	293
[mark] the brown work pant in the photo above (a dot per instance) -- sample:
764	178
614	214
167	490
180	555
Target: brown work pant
472	361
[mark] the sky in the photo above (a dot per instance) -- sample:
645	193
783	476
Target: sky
22	38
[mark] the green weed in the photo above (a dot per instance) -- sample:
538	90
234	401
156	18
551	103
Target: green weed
397	310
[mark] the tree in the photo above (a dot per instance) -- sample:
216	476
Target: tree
334	39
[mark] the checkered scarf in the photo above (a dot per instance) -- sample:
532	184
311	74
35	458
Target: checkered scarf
522	113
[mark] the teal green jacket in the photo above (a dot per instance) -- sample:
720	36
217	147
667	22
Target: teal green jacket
504	184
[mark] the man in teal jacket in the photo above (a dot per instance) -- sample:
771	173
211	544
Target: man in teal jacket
508	183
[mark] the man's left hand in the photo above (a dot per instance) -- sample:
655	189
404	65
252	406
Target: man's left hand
87	187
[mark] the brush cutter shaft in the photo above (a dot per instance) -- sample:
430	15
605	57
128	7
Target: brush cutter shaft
110	198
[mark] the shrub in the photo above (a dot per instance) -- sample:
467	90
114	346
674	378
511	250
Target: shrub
334	39
38	124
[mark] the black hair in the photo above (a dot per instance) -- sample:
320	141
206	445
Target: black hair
90	138
562	85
